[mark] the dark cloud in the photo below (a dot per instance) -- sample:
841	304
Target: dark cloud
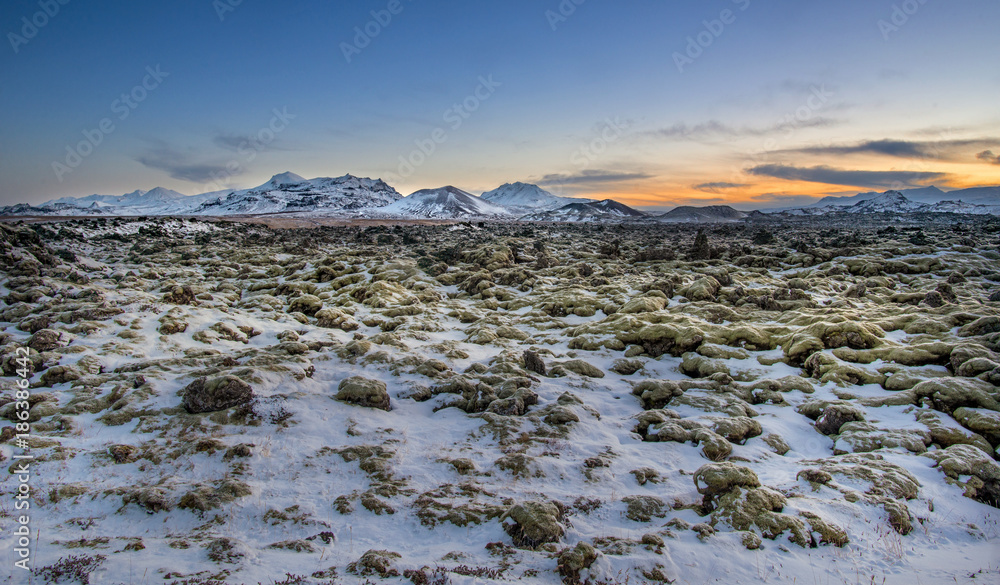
714	129
180	165
853	178
988	156
590	177
720	186
938	150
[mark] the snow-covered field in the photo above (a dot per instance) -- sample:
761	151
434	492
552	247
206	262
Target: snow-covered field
226	403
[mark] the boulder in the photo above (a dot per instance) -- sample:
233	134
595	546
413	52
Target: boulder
714	479
703	289
646	304
983	472
582	368
45	340
985	423
836	415
574	560
306	304
947	394
364	392
210	395
533	524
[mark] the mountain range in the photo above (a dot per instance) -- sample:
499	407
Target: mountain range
355	197
899	202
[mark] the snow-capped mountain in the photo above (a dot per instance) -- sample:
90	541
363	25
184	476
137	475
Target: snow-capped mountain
442	203
929	195
523	198
283	193
708	214
897	202
607	210
888	202
290	193
157	201
923	195
354	197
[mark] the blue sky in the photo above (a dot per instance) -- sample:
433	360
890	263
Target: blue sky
781	101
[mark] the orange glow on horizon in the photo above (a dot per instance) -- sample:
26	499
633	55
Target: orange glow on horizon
764	191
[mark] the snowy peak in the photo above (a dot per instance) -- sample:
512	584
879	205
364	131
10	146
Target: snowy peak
443	203
155	195
525	198
279	180
888	202
595	211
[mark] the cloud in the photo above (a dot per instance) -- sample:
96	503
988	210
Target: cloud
925	149
988	156
180	165
720	186
832	176
245	142
590	177
714	129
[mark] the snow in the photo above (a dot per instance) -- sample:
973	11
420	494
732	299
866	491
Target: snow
290	468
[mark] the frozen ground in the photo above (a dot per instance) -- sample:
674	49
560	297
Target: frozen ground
783	404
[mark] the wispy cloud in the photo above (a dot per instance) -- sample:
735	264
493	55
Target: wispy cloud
720	186
184	166
590	177
235	142
714	129
833	176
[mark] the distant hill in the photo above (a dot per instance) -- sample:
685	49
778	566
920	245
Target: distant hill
709	214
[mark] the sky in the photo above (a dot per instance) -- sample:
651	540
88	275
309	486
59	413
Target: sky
751	103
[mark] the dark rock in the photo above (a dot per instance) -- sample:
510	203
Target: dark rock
205	395
45	340
835	416
533	362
